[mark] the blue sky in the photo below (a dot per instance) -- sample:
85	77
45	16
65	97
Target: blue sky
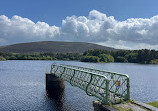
57	16
54	11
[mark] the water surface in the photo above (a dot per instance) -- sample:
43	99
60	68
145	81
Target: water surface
22	85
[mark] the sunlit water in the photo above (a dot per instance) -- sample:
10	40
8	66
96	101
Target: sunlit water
22	85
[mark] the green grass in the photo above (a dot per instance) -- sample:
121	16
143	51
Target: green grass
155	104
2	58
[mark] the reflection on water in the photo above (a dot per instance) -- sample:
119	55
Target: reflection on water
22	86
57	97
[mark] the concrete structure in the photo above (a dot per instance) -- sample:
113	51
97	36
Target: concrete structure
54	83
54	86
132	105
100	107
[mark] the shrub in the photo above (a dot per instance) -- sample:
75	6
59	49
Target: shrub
155	61
121	59
106	58
2	58
90	59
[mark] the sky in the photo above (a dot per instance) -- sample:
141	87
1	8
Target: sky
125	24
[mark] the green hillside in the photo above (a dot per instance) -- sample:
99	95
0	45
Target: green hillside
52	47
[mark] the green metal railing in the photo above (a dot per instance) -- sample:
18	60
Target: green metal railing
107	86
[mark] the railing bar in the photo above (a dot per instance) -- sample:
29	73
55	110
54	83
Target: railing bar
102	71
84	77
114	83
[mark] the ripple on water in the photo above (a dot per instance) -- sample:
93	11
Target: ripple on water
22	86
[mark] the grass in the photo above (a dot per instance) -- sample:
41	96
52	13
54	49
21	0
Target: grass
155	104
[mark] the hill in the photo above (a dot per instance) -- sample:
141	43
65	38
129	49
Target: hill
53	47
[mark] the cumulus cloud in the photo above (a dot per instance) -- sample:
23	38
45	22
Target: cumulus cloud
18	29
97	27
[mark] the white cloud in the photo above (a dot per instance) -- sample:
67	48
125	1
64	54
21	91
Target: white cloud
97	27
18	29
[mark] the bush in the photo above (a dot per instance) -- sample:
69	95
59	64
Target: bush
90	59
106	58
2	58
155	61
121	59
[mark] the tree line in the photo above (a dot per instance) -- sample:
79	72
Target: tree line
41	56
143	56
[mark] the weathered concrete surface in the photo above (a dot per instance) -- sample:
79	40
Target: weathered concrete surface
55	90
99	107
125	106
130	107
54	87
54	83
145	105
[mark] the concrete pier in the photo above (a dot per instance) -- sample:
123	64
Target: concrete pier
54	83
55	90
54	86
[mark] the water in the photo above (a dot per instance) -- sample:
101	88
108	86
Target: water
22	86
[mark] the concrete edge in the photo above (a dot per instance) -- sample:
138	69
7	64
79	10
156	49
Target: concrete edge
108	108
144	105
101	107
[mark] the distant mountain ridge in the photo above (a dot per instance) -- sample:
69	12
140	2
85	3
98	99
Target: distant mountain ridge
52	47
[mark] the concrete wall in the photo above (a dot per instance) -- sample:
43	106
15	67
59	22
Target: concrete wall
54	83
54	86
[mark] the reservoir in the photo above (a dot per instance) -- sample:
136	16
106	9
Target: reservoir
22	85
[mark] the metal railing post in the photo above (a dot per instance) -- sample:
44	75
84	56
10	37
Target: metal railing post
107	92
51	69
72	77
89	84
128	89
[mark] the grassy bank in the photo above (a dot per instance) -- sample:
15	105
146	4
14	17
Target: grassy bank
155	104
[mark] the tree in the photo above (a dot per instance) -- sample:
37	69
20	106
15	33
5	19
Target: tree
121	59
132	57
106	58
95	52
155	61
2	58
90	59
